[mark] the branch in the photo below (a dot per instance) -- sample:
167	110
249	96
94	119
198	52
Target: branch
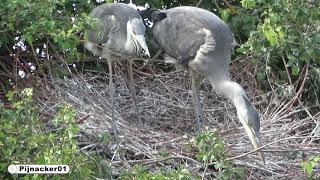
148	61
157	160
80	121
199	3
284	139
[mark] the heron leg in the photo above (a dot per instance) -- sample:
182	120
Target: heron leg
112	94
196	98
133	92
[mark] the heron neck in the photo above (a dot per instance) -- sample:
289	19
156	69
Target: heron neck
128	42
131	45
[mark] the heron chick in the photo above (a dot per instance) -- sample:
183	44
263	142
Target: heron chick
199	41
118	31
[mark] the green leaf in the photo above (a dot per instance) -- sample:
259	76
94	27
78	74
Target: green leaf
225	15
10	95
269	33
274	17
261	76
307	167
242	50
295	70
249	4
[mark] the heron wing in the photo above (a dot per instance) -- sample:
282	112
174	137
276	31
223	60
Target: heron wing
179	39
104	27
110	31
190	31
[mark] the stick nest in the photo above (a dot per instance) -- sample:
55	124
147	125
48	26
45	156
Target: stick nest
165	105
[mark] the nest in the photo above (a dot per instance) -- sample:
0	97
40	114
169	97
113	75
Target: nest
165	102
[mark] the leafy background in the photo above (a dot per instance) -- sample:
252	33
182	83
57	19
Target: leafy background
42	40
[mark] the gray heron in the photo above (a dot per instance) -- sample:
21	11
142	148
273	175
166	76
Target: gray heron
197	40
118	31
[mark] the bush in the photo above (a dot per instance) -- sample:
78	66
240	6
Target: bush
40	33
141	173
211	152
308	165
36	23
287	36
25	139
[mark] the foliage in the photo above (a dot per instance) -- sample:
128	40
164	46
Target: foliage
211	151
138	172
211	147
277	30
287	31
308	165
25	139
34	22
40	33
284	33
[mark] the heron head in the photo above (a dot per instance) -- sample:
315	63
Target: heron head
136	30
154	15
251	123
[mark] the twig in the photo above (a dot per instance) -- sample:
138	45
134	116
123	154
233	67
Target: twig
89	146
46	114
166	120
117	148
284	139
158	160
256	167
81	120
199	3
171	140
205	171
286	67
268	78
292	150
149	61
284	109
169	90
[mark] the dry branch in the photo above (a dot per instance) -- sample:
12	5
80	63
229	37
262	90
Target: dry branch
166	108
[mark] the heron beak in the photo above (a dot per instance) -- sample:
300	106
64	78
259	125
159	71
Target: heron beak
143	44
254	138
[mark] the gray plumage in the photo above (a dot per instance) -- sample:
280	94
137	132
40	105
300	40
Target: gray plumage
198	40
184	32
111	31
118	31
